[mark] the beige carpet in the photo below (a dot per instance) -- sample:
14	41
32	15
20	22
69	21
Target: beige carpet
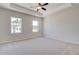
39	46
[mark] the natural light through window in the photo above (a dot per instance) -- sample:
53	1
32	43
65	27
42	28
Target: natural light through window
35	25
16	25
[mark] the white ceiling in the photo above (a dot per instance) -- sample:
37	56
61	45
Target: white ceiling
29	8
51	7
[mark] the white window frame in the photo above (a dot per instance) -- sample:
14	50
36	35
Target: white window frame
16	25
35	25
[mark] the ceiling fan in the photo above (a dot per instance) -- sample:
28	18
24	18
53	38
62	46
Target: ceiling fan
41	6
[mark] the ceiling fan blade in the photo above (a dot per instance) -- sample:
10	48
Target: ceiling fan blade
39	4
44	8
45	4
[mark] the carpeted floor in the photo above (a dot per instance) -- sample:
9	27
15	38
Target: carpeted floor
39	46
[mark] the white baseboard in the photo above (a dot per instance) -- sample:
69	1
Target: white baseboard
70	42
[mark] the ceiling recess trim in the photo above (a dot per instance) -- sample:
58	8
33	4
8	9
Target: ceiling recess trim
18	8
58	9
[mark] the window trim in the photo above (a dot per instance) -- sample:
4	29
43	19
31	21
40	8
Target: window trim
16	25
35	26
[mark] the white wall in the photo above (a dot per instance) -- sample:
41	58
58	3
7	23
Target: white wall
5	18
63	25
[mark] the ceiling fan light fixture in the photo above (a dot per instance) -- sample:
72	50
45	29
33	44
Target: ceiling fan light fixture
39	7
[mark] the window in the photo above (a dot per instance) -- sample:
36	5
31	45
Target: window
16	25
35	25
